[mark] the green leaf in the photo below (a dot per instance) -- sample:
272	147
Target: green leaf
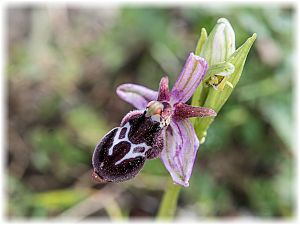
59	199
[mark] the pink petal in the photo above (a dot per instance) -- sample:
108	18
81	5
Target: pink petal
189	79
180	148
183	111
136	95
163	92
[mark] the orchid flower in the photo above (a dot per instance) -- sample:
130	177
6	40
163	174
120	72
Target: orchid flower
160	127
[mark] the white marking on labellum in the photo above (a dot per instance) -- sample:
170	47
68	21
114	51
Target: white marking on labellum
156	118
123	133
118	138
139	149
131	153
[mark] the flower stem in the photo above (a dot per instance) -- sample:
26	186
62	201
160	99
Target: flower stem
168	205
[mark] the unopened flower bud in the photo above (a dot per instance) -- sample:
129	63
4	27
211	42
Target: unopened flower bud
225	66
220	43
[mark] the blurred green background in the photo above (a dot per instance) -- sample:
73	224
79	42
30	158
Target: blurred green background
63	66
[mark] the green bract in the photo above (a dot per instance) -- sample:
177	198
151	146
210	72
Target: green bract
220	43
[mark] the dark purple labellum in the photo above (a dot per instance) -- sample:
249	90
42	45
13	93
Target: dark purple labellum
122	152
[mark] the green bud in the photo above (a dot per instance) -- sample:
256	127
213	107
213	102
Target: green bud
215	99
225	69
220	43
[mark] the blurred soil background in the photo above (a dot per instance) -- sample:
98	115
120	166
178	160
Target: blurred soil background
63	65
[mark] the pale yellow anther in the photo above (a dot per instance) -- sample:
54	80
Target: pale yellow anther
229	84
213	80
202	140
219	82
222	85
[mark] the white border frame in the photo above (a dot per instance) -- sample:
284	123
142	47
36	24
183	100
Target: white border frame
159	3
